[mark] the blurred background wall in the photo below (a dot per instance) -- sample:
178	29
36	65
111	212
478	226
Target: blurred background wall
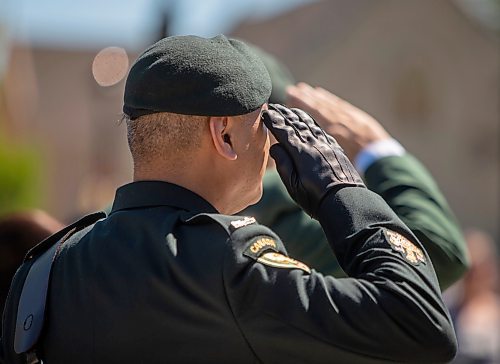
428	70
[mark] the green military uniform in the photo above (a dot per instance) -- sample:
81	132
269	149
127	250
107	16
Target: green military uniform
409	190
166	279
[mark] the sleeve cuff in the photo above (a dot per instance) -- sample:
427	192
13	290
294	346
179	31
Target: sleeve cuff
375	151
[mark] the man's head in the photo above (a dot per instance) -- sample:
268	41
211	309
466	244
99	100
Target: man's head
193	108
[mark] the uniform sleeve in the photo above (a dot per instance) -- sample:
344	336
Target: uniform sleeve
2	359
303	237
389	309
411	192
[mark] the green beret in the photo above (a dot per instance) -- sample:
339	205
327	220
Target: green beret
196	76
281	77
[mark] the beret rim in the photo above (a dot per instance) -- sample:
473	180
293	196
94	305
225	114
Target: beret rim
198	76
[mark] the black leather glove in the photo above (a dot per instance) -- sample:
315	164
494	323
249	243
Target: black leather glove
309	161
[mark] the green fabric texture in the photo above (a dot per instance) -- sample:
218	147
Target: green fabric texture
408	189
165	278
281	77
196	76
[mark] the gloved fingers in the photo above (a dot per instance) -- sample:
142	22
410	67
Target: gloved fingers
277	125
283	110
289	137
281	157
293	120
284	165
313	127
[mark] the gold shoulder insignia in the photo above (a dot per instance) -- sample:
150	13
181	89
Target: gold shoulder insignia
261	244
236	224
279	260
410	252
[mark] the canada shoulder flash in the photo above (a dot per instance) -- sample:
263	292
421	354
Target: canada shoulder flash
264	249
410	252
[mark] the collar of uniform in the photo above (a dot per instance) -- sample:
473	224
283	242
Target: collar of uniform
158	193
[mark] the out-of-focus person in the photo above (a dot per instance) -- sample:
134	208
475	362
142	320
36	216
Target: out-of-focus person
476	307
388	169
19	232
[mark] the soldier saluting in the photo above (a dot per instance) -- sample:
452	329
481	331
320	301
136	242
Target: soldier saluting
171	276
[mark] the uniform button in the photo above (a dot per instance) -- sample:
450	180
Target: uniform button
28	322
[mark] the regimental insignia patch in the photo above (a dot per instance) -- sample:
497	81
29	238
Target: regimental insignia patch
241	223
266	250
260	245
279	260
410	252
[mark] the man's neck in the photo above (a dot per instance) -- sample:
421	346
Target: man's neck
202	181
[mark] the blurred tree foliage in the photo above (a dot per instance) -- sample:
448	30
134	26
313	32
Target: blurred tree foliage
19	177
19	171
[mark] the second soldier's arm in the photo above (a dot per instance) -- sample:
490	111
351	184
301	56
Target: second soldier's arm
389	308
400	179
409	189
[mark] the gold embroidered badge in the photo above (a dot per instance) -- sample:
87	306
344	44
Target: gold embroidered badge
243	222
411	253
262	243
279	260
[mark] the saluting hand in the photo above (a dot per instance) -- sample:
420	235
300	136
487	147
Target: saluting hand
353	128
310	162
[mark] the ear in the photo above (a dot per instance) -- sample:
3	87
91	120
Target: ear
221	137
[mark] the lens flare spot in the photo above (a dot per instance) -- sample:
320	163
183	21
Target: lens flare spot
110	66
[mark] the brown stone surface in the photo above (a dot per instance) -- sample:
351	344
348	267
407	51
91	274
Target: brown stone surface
54	103
428	73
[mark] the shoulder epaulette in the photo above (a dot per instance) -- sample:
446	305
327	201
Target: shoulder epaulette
51	240
32	299
229	223
260	243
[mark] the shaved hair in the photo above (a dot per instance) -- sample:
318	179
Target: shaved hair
164	136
